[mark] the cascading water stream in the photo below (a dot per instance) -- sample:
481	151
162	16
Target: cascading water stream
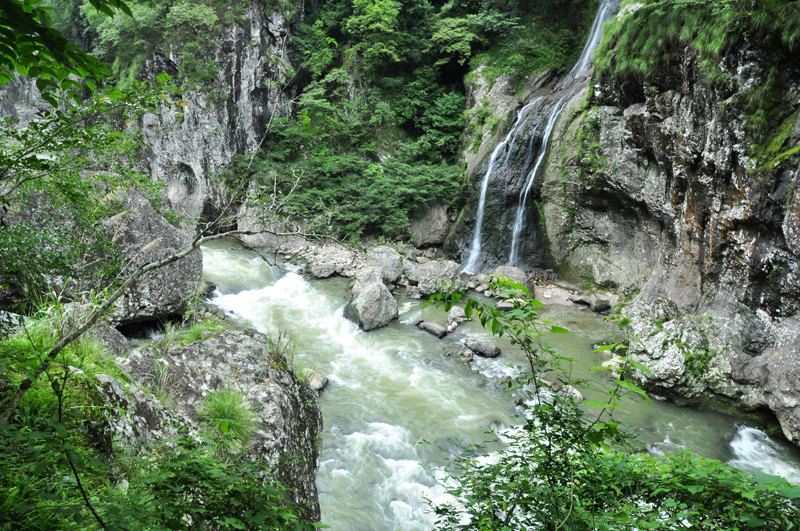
519	218
567	87
508	141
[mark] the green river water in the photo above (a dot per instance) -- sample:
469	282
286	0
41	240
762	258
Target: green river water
396	406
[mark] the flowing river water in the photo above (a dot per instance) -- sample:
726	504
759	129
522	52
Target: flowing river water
397	406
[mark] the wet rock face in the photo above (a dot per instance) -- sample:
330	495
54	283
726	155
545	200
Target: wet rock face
430	227
286	410
202	130
674	206
142	235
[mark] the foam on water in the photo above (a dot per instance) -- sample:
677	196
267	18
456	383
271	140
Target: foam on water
391	388
387	391
755	451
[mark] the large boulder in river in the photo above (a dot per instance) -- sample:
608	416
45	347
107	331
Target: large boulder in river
286	410
432	328
330	259
430	228
142	235
431	276
514	273
483	348
373	305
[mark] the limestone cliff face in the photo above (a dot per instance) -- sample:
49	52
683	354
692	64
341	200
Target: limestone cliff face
653	189
189	141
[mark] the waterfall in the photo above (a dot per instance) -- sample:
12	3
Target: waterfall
475	246
563	91
569	85
605	11
519	219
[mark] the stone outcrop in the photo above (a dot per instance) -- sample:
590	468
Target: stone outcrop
655	190
431	276
483	348
432	328
191	139
286	410
455	317
142	235
430	227
514	273
388	260
373	305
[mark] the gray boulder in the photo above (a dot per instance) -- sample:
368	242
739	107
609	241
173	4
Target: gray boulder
388	260
142	235
432	328
514	273
430	227
430	276
315	379
286	411
135	417
483	348
373	305
330	259
455	317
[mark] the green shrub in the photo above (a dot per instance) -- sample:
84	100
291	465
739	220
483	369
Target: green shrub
182	485
61	423
228	422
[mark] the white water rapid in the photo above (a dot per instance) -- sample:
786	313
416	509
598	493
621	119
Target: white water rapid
399	404
754	451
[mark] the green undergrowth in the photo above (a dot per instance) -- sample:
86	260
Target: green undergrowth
61	461
653	38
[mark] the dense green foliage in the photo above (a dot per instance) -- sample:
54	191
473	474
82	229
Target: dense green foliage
378	124
186	30
655	35
571	466
32	47
62	423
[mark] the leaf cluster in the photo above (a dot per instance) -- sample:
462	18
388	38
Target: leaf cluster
570	465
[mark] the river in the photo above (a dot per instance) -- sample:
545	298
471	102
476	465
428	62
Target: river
397	406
